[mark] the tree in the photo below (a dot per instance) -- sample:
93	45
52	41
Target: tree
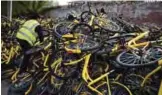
25	8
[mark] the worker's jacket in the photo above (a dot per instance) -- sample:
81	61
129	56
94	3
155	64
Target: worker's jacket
27	32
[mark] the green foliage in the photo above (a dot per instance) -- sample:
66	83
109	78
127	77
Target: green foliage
31	7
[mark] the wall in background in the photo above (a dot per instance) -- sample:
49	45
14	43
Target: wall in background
147	13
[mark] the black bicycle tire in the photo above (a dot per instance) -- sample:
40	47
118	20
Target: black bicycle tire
80	24
96	45
81	16
57	34
118	30
134	65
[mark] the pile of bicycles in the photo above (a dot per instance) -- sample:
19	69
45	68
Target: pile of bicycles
89	54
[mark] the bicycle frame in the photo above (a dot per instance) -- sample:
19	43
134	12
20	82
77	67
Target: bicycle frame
160	89
9	54
102	21
90	81
152	73
133	45
86	77
43	57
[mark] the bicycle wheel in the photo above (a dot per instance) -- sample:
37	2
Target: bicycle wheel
108	24
88	45
86	16
81	28
63	28
133	59
127	58
126	26
153	54
116	88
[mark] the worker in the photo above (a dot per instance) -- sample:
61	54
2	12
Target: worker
27	36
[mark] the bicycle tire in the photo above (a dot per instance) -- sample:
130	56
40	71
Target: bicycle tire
83	19
82	28
90	45
61	28
110	25
132	59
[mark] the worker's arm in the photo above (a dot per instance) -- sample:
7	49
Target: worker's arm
39	30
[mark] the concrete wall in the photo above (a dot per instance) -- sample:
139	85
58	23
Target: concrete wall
147	13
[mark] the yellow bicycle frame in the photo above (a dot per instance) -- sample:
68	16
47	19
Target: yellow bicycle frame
90	81
160	89
132	43
151	73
